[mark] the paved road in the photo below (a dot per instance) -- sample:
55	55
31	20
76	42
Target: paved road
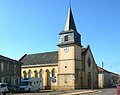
111	91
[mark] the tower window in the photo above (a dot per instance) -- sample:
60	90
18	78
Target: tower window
65	66
66	38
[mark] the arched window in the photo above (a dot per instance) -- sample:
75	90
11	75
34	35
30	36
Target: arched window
66	38
53	72
36	74
24	74
29	74
40	74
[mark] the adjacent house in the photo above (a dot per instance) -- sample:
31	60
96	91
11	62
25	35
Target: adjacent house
114	79
10	71
106	78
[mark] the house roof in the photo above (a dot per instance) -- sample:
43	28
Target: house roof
102	70
6	59
114	74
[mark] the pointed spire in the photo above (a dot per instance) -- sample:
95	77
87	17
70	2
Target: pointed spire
70	24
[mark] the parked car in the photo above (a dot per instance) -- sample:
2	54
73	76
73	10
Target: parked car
3	88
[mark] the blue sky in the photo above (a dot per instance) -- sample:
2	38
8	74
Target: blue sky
32	26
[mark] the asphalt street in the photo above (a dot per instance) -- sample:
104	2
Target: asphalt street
110	91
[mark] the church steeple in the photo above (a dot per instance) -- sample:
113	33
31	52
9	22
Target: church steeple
69	55
69	35
70	24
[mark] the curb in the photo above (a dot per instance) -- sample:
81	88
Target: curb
83	92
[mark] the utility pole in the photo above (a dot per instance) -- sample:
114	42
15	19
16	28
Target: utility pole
102	65
102	74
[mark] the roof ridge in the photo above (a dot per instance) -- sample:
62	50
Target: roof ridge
43	53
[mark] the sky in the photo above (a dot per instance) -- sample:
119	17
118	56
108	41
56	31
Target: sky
33	26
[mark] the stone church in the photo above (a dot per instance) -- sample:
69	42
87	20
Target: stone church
71	67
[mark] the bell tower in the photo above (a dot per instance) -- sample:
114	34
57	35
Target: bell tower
69	55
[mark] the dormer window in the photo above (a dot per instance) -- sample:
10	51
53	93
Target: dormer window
66	38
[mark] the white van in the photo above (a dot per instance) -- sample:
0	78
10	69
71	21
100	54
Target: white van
29	84
3	87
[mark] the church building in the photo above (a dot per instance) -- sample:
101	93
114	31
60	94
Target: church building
71	67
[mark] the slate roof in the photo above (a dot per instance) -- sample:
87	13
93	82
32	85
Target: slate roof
40	58
102	70
84	51
70	24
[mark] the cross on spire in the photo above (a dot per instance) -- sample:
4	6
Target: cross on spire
69	3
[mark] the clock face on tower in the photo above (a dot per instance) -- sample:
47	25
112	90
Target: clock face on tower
66	49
